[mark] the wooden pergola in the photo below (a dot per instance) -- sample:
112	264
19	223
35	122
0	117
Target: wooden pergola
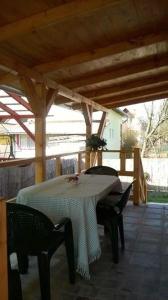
85	54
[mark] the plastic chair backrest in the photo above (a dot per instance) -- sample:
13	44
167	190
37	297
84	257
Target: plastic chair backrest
28	228
102	170
124	198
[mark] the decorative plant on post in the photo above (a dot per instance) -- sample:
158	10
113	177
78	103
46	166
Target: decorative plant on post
95	143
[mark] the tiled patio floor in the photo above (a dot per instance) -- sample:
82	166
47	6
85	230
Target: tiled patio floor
142	273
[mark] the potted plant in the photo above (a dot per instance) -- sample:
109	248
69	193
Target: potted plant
95	142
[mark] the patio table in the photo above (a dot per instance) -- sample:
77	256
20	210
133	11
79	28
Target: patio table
59	198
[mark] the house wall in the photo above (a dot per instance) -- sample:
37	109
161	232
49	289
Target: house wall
112	133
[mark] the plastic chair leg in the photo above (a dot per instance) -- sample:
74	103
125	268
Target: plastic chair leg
70	252
44	275
121	230
14	285
23	263
113	230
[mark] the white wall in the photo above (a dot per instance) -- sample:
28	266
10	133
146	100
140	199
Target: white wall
112	132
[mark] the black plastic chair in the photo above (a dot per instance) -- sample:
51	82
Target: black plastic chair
31	233
102	170
105	170
109	214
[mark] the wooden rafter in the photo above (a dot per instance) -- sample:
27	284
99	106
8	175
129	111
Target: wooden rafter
141	99
134	95
52	16
125	69
121	88
17	118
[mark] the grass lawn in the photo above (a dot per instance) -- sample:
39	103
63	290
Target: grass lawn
158	197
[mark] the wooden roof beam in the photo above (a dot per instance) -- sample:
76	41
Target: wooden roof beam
126	69
98	53
25	72
120	88
135	95
131	101
138	94
52	16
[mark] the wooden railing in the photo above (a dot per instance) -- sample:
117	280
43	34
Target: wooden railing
57	157
140	187
96	158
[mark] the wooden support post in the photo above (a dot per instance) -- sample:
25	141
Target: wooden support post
79	162
58	168
3	252
40	146
122	160
99	158
87	113
37	93
93	156
136	192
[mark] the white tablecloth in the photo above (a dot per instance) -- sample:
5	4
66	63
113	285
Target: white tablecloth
59	198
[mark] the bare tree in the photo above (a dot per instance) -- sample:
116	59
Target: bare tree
155	126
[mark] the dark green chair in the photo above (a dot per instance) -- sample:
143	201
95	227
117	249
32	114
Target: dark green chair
31	233
109	213
102	170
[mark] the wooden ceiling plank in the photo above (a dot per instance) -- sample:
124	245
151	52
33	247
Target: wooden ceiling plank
95	54
138	100
136	67
52	16
15	67
142	93
126	86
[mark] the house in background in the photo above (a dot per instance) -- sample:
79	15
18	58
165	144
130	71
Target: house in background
62	136
113	131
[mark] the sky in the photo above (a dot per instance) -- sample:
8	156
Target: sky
140	110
